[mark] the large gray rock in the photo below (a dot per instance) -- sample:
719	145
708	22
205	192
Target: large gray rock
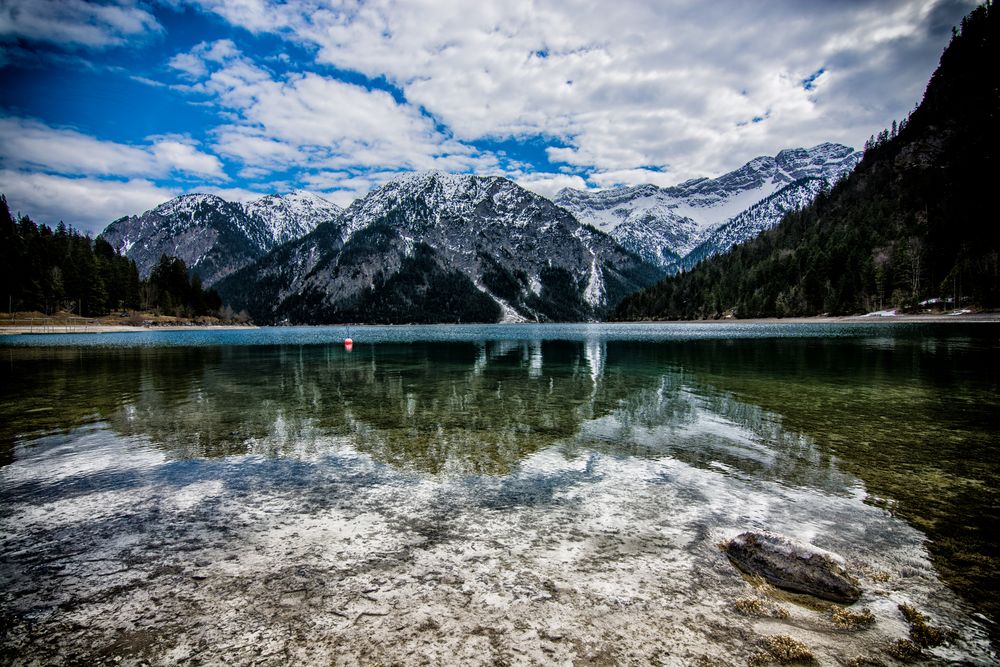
794	566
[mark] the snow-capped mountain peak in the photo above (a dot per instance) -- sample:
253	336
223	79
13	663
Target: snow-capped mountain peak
213	236
426	197
664	224
293	215
187	204
430	245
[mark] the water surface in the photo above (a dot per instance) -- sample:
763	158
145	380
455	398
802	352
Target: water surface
489	494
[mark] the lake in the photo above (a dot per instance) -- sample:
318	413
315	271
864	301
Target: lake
501	494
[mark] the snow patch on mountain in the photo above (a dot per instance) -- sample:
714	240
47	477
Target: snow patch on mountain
758	218
665	224
288	217
594	292
213	236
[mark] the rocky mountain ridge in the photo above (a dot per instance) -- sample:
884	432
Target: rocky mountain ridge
213	236
664	225
433	246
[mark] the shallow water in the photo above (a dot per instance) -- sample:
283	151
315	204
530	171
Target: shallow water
489	494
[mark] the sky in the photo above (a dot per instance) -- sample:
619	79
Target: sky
110	108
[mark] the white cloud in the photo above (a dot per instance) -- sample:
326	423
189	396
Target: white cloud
311	110
88	204
607	179
309	121
547	184
195	63
247	144
688	87
30	144
190	64
185	158
254	15
76	22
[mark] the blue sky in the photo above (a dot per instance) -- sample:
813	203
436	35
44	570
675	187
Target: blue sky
113	107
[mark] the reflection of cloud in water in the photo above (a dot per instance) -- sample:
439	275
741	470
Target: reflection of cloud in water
575	554
496	502
706	429
85	451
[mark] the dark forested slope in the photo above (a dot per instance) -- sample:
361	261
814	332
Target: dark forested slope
50	270
916	219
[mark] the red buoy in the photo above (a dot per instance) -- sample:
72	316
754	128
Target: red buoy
348	343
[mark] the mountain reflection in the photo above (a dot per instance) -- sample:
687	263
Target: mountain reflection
439	408
910	420
462	408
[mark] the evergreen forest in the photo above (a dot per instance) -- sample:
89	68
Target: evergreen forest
50	270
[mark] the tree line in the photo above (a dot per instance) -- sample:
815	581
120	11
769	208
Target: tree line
914	221
51	270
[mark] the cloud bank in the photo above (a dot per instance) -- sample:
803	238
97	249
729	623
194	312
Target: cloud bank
340	96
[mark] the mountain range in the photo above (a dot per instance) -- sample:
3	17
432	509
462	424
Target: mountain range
666	225
436	247
440	247
214	237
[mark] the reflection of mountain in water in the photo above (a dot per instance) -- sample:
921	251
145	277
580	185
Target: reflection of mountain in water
456	408
461	407
915	417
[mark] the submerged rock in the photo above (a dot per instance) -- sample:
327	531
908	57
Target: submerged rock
794	566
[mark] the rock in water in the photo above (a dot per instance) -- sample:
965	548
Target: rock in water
794	566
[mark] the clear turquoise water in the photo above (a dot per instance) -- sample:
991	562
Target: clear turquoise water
325	335
904	418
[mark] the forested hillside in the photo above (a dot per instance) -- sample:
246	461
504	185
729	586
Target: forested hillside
48	270
915	220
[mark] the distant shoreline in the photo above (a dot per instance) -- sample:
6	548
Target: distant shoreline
933	318
964	318
53	329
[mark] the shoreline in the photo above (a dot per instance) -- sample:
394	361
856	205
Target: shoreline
55	329
935	318
931	318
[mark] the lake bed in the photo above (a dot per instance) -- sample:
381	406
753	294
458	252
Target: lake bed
491	494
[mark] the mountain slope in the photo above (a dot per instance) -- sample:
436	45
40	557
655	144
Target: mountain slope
441	247
915	220
215	237
291	216
663	225
758	218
